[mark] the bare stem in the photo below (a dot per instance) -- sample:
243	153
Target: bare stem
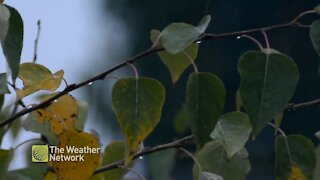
36	41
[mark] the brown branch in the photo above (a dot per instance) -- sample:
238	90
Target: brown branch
72	87
293	23
293	106
176	144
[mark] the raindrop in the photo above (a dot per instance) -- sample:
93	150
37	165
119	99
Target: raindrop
198	42
55	101
90	83
29	107
140	157
238	37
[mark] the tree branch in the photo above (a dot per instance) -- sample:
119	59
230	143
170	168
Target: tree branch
176	144
293	106
293	23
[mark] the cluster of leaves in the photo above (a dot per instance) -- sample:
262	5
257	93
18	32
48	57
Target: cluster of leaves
268	82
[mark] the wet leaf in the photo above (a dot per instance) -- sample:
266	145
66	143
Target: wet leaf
213	158
210	176
178	36
180	121
11	37
204	101
61	114
36	77
77	169
232	131
176	63
315	35
294	158
5	158
268	82
3	84
137	104
114	152
31	124
161	164
82	115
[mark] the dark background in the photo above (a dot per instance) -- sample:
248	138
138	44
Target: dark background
221	57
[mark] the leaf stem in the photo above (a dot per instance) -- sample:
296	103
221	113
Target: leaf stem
194	159
252	39
191	61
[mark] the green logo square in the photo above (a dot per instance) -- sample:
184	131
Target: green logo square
40	153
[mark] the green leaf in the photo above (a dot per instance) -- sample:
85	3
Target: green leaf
34	172
180	121
210	176
316	174
114	152
161	164
239	102
176	63
277	121
315	35
36	77
232	131
204	101
268	82
1	101
5	158
11	37
31	124
213	159
317	9
82	116
294	158
178	36
3	84
137	104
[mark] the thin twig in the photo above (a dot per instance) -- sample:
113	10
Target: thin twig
176	144
72	87
292	106
36	41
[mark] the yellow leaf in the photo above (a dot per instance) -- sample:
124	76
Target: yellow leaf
36	77
50	176
61	114
78	169
296	174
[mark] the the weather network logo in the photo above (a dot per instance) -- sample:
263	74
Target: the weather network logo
40	153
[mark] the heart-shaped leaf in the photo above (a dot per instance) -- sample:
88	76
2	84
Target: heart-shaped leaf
114	152
213	158
137	104
61	114
36	77
268	82
315	35
3	84
295	157
5	158
176	63
232	131
76	169
178	36
11	37
204	102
